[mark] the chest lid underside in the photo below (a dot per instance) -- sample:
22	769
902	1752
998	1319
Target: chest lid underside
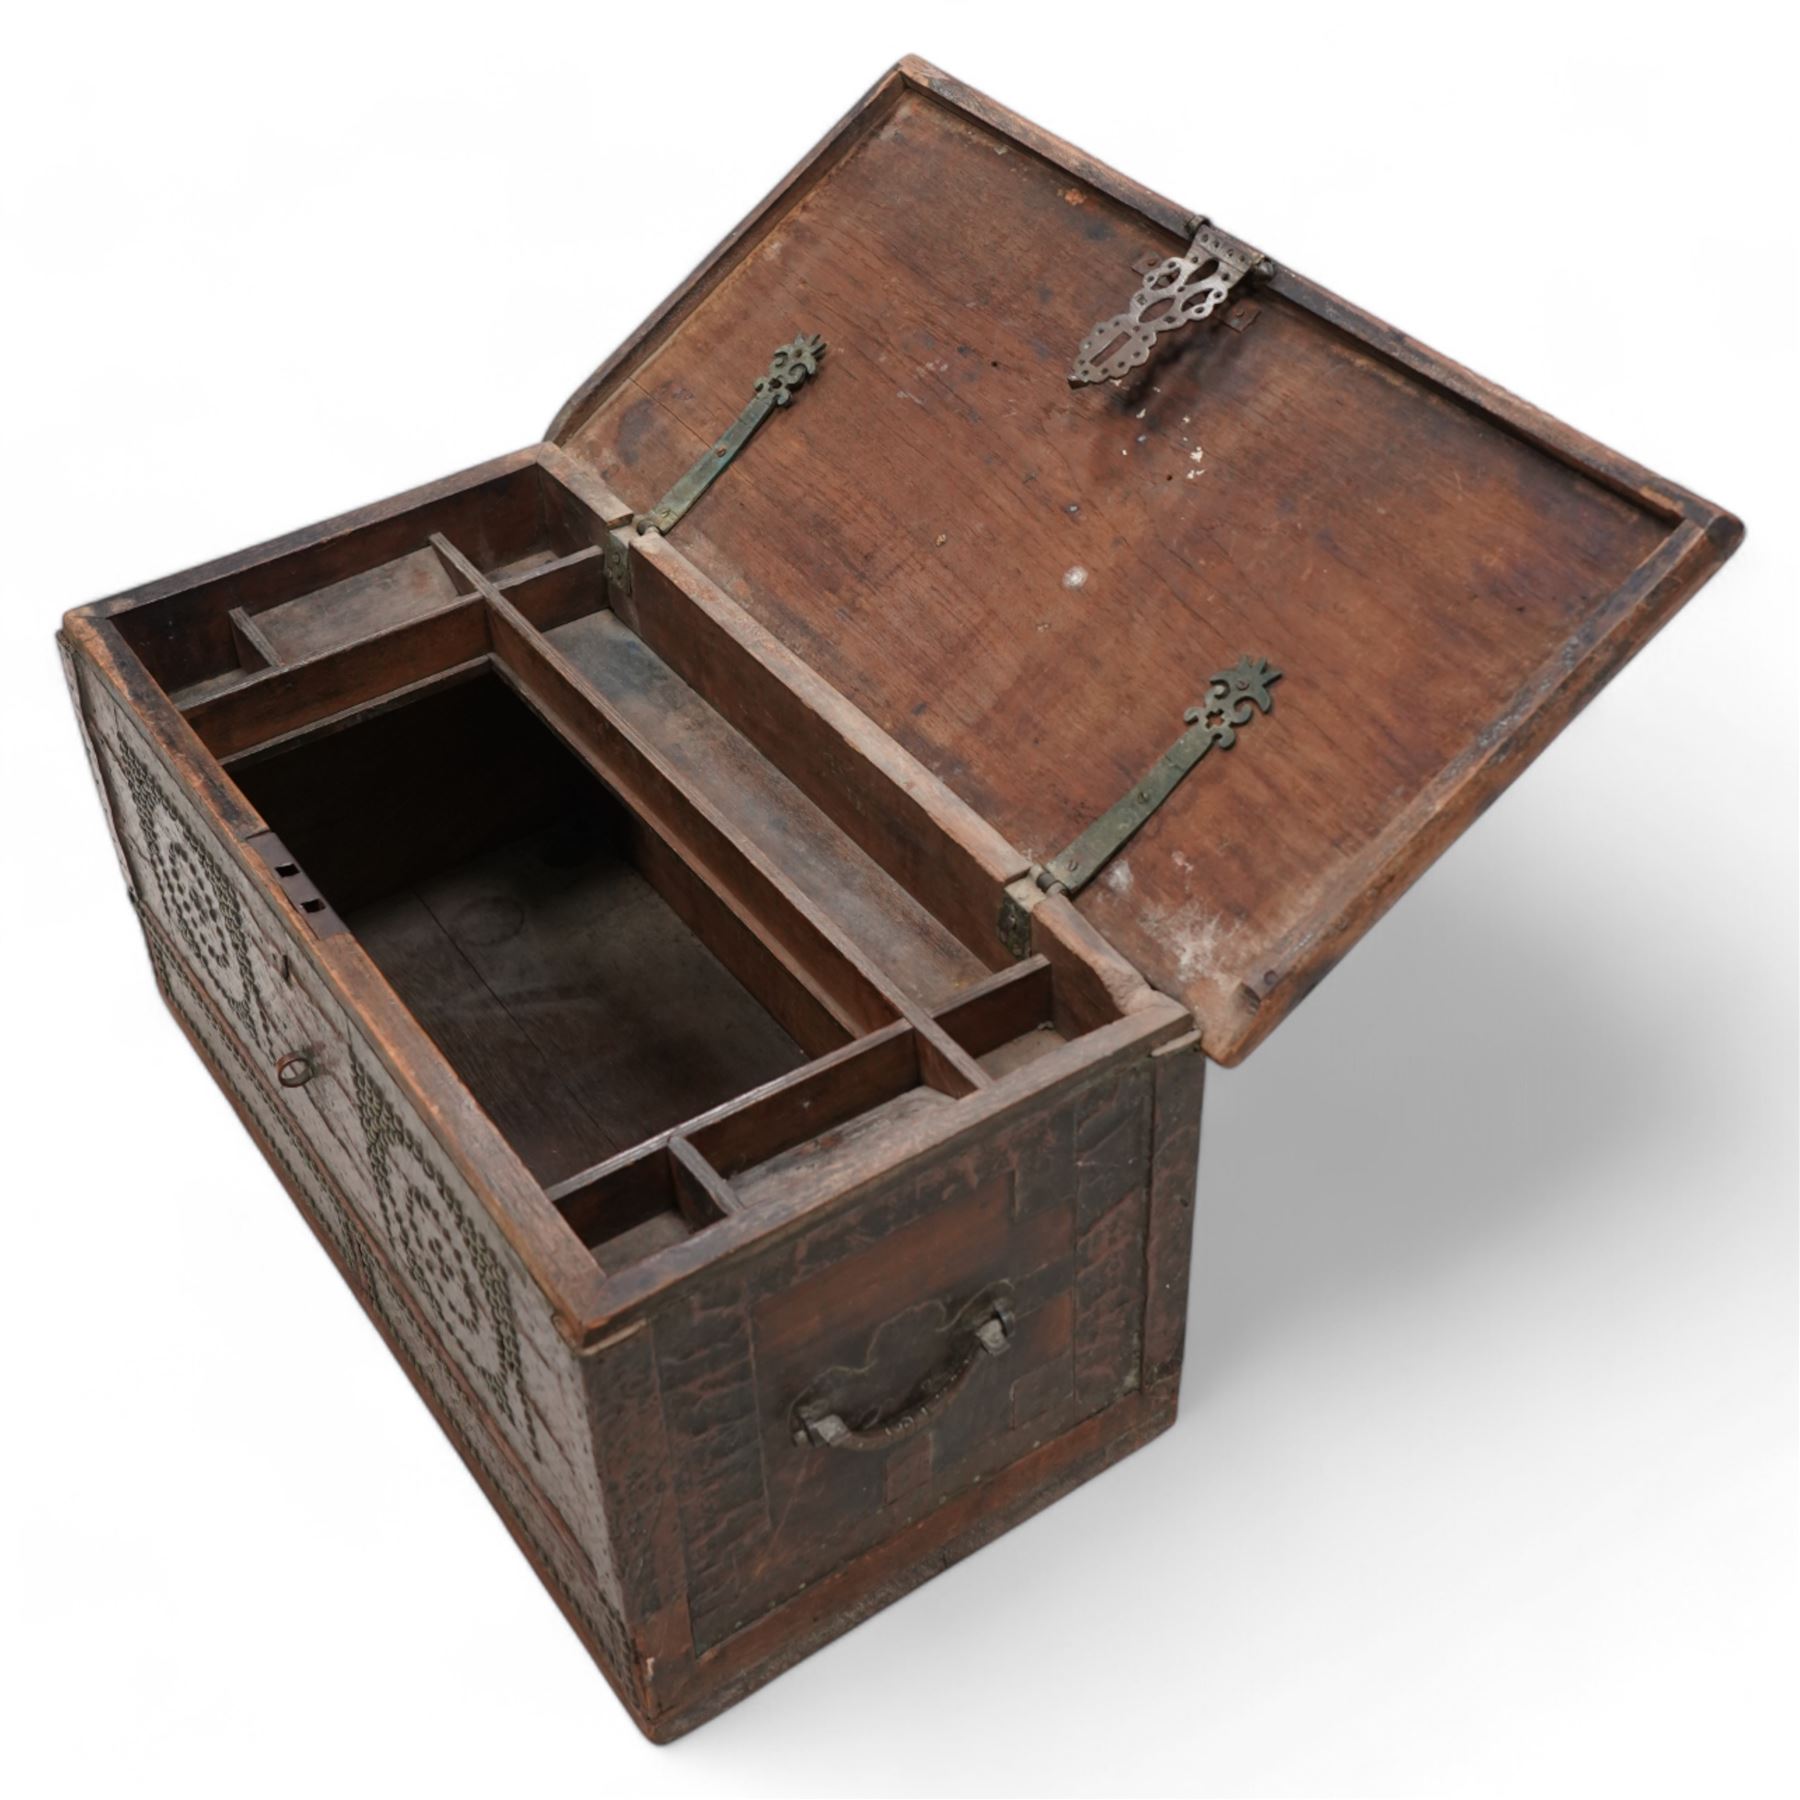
1028	583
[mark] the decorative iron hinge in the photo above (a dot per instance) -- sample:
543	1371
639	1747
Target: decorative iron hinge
791	367
1233	698
1176	291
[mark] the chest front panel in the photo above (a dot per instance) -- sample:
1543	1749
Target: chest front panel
346	1109
562	1562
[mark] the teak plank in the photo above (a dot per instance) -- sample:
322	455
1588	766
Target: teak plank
519	1086
935	845
385	596
707	841
275	701
801	1005
1006	1021
897	933
836	1088
821	1163
572	950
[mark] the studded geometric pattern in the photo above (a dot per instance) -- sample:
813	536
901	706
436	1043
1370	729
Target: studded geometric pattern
436	1243
569	1571
453	1268
289	1148
197	898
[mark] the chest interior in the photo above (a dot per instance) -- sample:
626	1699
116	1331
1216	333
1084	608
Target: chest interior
677	938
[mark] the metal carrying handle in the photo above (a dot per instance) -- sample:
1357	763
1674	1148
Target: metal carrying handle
989	1333
294	1070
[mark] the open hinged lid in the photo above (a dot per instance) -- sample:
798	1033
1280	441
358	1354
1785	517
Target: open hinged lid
1028	583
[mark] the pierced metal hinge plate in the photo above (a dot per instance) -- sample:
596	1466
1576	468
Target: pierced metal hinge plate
1233	698
1176	291
791	367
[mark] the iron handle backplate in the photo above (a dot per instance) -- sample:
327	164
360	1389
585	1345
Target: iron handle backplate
985	1331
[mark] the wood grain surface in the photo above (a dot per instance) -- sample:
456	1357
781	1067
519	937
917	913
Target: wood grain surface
600	933
1026	587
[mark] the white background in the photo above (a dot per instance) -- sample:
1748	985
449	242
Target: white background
1485	1475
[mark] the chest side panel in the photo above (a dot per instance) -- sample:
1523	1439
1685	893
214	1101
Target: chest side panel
869	1324
483	1308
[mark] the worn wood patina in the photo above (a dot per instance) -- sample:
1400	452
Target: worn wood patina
718	918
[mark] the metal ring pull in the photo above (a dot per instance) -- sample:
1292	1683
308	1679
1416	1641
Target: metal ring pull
294	1070
987	1332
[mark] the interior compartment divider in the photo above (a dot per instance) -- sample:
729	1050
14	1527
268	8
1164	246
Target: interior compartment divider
254	649
1005	1006
659	795
627	1192
713	1196
280	700
546	595
943	1063
555	592
758	895
364	710
830	1092
780	982
809	1100
930	841
561	693
913	948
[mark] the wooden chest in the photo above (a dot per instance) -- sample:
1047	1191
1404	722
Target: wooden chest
717	918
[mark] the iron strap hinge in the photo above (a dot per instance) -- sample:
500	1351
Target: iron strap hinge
791	367
1175	291
1233	698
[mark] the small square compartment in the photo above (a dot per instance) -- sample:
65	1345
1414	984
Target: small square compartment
255	618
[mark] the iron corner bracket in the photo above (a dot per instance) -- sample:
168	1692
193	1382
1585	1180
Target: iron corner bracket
1016	903
615	567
